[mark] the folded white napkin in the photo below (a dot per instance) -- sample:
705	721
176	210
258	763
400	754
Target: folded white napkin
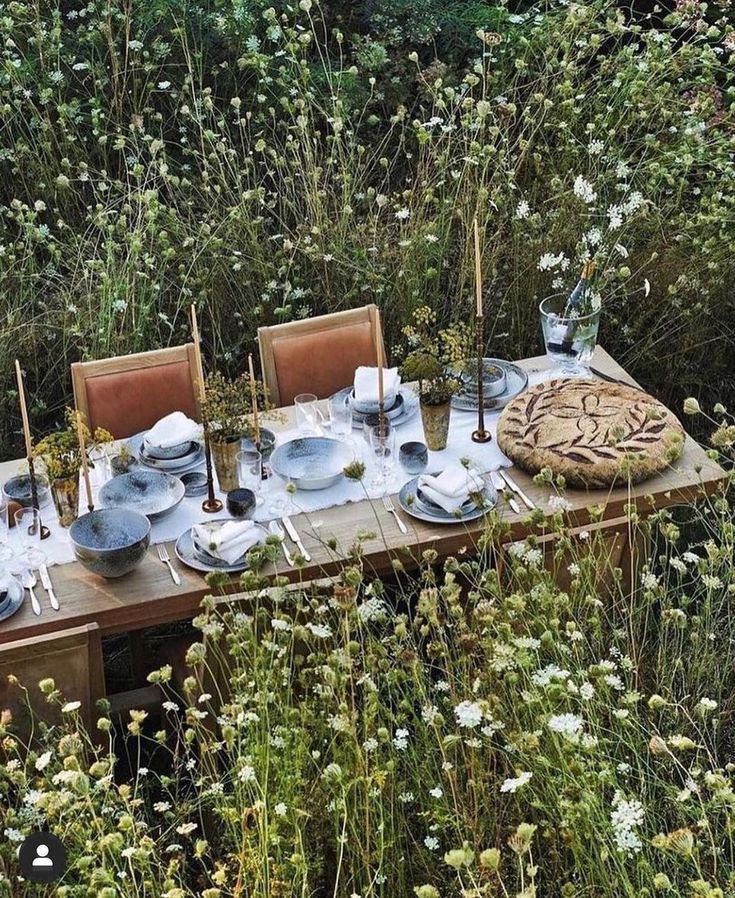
366	384
452	487
228	542
173	429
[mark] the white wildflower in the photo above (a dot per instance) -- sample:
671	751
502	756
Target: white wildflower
584	190
468	714
515	783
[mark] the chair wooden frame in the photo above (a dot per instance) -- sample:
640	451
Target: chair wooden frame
267	336
48	655
81	372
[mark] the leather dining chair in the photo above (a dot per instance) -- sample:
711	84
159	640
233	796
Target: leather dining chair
317	355
130	393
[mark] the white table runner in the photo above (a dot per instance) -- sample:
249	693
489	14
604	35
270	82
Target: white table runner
486	456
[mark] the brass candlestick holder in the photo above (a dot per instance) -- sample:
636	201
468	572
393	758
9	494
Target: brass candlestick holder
480	435
211	504
45	532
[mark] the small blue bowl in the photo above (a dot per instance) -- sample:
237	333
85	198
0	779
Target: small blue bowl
19	490
414	456
110	542
240	503
267	443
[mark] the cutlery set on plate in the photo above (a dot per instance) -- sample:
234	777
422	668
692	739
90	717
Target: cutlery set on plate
29	581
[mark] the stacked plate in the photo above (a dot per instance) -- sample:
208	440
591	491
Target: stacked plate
11	597
195	556
173	460
404	407
413	501
501	382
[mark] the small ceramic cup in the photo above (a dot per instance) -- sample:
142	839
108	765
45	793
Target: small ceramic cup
240	503
414	457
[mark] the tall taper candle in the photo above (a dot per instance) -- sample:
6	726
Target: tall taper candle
478	270
83	459
381	360
211	504
254	395
23	410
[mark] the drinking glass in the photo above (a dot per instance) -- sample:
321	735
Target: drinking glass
28	535
570	341
99	467
340	416
306	414
250	472
383	444
6	553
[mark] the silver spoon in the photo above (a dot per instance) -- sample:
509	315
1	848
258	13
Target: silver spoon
28	580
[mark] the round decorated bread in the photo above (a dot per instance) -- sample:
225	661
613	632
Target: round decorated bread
592	432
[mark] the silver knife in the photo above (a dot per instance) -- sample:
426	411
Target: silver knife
48	586
278	531
502	487
516	489
293	533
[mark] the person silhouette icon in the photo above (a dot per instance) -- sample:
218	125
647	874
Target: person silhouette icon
42	858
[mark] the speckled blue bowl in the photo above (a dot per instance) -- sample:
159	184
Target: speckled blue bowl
152	493
19	490
110	542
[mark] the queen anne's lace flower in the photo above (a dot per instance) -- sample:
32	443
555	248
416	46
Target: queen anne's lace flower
468	714
515	783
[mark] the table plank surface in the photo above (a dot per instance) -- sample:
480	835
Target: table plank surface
148	597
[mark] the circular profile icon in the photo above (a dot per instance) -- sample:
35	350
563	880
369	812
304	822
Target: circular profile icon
42	858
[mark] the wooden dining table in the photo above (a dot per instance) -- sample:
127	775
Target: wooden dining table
148	597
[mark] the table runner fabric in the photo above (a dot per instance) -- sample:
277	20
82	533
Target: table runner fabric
486	456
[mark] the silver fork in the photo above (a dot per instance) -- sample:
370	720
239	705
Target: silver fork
391	509
164	556
501	486
29	581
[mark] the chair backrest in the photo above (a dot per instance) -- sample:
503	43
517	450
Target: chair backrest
72	658
317	355
130	393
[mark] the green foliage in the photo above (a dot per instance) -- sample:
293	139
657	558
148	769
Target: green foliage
271	163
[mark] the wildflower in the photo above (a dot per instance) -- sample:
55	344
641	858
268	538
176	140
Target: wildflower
595	147
14	835
649	580
711	582
372	610
523	210
370	744
280	809
706	705
278	624
559	504
691	406
615	217
400	740
247	774
43	760
681	743
186	829
515	783
432	843
549	261
436	792
403	214
459	857
426	891
678	565
161	807
691	557
164	85
69	707
322	631
587	691
625	817
468	714
490	858
584	190
569	725
550	673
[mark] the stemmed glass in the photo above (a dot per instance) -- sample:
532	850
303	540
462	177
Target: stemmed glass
28	535
6	553
383	445
306	413
250	472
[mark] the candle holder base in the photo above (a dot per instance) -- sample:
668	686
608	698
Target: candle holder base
211	506
481	436
45	532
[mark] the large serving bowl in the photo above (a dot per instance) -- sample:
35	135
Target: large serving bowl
152	493
311	463
110	542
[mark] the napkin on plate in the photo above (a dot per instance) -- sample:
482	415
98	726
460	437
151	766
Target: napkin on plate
366	383
228	542
452	487
173	429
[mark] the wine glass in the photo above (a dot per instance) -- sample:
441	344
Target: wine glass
250	472
306	414
383	445
570	339
28	536
6	553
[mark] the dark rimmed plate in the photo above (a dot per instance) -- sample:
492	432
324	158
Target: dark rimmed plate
405	407
425	510
188	555
152	493
189	462
516	381
13	600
